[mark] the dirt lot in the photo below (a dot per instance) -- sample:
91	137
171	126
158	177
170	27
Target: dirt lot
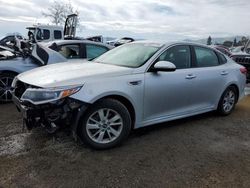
206	150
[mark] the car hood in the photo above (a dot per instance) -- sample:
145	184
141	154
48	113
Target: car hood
68	74
16	63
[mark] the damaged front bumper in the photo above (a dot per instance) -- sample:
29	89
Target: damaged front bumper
51	116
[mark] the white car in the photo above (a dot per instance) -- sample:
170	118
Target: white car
131	86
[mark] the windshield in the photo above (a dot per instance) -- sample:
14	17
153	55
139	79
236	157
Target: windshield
129	55
237	49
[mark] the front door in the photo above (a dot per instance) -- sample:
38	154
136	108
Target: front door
169	94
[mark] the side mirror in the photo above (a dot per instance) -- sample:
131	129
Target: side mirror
165	66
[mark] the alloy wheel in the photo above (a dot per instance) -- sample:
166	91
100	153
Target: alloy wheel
5	88
104	126
228	101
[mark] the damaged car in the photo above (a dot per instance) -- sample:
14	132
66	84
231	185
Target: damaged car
242	57
6	53
44	54
135	85
9	39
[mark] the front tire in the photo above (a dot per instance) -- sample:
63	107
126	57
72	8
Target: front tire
5	87
227	101
106	124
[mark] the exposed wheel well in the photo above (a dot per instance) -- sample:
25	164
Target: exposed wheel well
125	102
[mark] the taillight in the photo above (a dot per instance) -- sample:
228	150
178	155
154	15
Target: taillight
243	70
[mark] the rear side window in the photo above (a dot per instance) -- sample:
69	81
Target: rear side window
57	34
46	34
205	57
94	51
178	55
222	58
70	51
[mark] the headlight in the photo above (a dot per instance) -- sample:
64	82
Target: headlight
41	96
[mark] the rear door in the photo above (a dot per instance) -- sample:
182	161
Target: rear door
210	77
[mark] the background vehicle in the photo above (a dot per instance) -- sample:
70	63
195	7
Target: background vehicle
38	33
123	40
223	50
237	49
131	86
243	58
6	53
75	49
42	54
10	39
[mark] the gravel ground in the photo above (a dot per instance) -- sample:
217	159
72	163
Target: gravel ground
202	151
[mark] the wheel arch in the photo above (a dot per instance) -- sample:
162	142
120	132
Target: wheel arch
229	85
237	90
236	87
125	101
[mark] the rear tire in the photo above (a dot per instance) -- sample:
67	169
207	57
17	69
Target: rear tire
106	124
5	87
227	101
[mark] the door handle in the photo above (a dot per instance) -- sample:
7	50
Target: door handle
190	76
224	73
134	83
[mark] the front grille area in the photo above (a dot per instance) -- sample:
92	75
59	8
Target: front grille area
241	59
20	88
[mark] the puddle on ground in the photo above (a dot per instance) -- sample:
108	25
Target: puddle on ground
13	145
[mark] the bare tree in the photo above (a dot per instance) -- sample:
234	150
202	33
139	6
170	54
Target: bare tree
58	12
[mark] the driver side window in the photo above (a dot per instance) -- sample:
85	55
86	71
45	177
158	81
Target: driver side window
178	55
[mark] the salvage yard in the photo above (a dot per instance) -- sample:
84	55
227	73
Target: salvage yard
205	150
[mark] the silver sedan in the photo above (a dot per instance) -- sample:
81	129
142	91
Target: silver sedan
132	86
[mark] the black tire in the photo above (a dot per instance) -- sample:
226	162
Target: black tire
111	105
221	110
5	95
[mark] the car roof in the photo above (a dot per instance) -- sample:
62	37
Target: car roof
43	26
62	42
160	43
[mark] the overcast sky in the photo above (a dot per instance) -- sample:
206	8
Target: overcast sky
150	19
